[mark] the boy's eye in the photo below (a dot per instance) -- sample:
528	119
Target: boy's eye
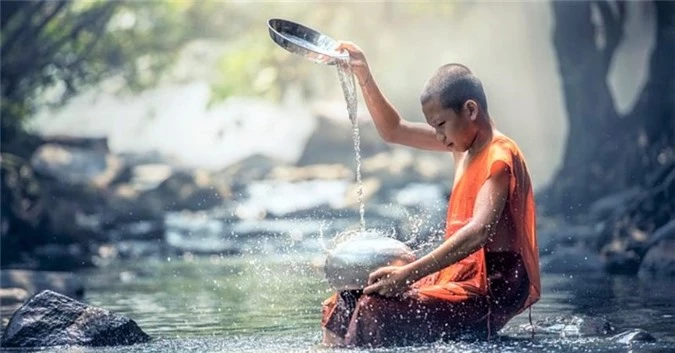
441	123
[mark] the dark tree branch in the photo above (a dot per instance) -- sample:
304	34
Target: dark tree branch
613	23
102	13
32	8
41	56
57	9
8	9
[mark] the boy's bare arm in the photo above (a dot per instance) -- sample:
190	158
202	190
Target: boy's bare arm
488	208
391	127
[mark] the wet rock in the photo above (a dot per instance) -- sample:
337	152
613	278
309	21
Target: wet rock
51	319
33	282
22	209
149	176
573	326
659	260
615	203
255	167
634	335
125	206
76	166
90	143
621	261
571	260
186	190
332	142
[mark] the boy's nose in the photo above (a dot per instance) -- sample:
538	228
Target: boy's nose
440	136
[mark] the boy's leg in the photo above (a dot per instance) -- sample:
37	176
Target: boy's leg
379	321
332	340
337	312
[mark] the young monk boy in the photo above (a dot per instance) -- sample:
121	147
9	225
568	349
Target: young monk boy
486	271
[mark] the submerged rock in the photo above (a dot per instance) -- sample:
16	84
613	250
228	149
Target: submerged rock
51	319
572	326
634	335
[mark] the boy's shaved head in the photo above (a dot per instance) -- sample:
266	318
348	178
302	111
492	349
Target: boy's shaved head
454	84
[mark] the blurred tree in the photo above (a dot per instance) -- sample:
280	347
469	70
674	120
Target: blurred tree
57	48
608	152
63	46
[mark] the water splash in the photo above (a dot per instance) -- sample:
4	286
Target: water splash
322	241
346	76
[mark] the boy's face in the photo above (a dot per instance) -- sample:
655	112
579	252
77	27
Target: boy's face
456	131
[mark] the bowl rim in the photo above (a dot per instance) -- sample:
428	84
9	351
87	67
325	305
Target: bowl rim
320	51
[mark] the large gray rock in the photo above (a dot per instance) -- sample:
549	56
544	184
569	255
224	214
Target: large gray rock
186	190
51	319
76	166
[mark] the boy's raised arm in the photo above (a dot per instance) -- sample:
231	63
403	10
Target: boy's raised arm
391	127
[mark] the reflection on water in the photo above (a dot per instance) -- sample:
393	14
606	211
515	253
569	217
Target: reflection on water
272	304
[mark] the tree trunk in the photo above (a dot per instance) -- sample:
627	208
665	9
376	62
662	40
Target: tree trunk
607	152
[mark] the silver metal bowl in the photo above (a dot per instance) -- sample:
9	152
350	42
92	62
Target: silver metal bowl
350	263
304	41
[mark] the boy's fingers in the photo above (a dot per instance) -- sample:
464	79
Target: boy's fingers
348	46
375	276
373	288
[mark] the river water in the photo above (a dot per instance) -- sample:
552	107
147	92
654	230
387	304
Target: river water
254	303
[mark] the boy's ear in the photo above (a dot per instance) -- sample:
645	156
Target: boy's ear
471	109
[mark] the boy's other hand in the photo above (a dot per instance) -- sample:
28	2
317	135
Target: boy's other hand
357	59
389	281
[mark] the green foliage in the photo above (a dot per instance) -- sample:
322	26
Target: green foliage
52	50
62	47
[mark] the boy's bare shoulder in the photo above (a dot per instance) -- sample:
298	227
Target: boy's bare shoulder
504	141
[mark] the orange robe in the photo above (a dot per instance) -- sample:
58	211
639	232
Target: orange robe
468	277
